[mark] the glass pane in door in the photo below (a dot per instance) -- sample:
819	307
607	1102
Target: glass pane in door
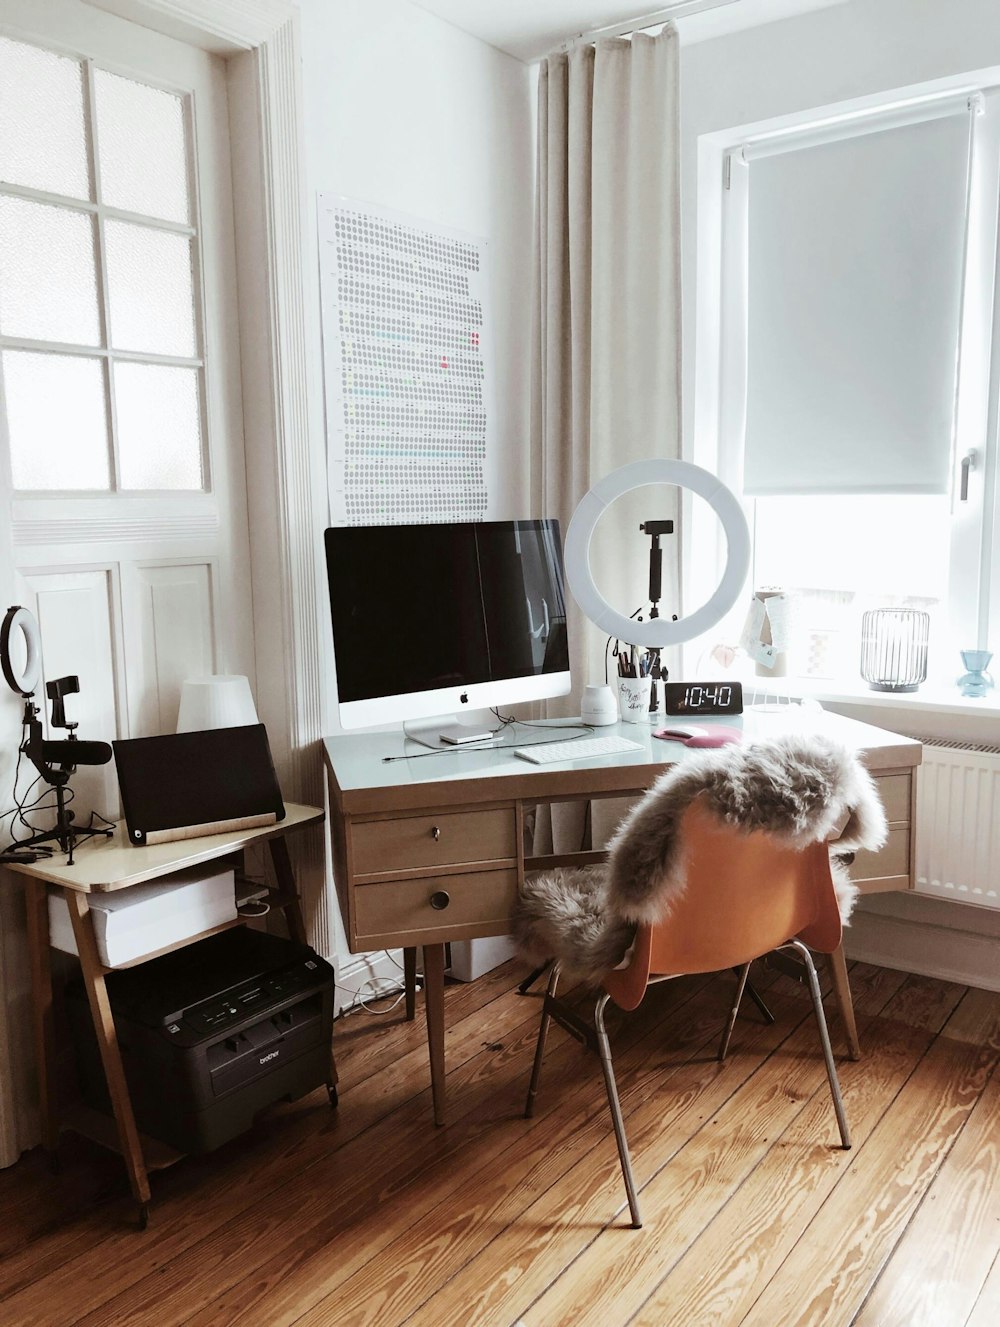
43	125
57	420
150	288
142	148
159	426
48	279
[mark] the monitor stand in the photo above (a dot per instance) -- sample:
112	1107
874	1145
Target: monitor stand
447	730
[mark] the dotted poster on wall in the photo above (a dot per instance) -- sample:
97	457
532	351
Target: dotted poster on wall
407	365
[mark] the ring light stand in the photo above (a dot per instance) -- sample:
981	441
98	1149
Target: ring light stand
658	631
55	761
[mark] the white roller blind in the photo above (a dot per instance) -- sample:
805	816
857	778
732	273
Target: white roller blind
855	267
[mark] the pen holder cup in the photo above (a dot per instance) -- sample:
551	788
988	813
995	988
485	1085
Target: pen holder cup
633	697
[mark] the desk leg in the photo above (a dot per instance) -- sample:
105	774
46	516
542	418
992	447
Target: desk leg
285	877
410	981
39	958
434	999
842	994
107	1042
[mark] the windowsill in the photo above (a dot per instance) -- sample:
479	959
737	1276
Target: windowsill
935	698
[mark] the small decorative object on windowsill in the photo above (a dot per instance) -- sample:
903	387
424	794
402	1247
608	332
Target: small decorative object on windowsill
894	648
975	681
766	632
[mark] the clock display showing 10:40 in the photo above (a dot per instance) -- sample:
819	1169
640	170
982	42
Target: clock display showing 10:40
703	697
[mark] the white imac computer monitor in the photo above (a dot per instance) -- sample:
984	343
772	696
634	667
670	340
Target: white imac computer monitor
431	622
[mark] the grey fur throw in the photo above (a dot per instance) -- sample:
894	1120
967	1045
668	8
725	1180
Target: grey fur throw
802	788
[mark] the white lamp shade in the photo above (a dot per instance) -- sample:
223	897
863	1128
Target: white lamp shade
220	701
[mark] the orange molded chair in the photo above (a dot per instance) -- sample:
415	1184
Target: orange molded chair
745	895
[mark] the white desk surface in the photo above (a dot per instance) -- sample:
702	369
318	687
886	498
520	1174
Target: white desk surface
106	864
363	779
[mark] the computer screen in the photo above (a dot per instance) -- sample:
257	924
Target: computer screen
437	619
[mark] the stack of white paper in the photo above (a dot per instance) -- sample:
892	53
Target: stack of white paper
129	923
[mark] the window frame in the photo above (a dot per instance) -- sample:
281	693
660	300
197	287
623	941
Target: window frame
720	381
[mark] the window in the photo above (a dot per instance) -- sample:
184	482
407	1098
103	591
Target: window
100	342
857	310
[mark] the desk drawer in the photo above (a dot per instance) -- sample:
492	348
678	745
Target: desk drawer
412	842
402	910
894	790
891	861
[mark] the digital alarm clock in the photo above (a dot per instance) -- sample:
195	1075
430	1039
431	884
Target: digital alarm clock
703	697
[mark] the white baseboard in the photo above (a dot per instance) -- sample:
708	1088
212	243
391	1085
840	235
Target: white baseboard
931	951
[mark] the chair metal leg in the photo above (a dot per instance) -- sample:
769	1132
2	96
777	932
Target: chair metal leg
543	1029
604	1050
824	1036
741	974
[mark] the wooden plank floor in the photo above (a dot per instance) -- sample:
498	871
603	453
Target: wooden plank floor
753	1215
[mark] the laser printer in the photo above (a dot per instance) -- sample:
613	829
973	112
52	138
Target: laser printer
212	1033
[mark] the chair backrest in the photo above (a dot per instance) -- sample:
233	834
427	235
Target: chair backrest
745	893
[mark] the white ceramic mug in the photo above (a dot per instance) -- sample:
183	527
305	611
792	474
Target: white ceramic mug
633	698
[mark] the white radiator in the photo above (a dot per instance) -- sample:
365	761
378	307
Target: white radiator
958	822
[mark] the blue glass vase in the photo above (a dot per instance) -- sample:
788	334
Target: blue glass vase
976	681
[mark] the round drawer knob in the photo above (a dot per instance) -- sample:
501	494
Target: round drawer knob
435	833
440	899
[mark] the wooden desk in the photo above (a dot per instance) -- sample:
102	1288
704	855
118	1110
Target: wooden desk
431	849
102	865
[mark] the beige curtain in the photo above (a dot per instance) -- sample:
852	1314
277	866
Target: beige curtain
606	384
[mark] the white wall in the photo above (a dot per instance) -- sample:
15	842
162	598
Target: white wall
840	54
407	112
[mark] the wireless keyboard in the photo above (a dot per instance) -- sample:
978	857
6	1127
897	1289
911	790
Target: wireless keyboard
580	748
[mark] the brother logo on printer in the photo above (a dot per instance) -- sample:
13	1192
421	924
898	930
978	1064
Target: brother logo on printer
273	1056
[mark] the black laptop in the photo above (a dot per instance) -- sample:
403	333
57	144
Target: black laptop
184	785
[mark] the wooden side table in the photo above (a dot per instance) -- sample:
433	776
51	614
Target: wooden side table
103	865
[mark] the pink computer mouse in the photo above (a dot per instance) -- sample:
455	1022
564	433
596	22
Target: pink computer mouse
695	735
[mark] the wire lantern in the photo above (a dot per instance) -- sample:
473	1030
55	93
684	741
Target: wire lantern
894	648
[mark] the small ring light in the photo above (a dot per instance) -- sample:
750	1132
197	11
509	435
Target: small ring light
659	631
27	680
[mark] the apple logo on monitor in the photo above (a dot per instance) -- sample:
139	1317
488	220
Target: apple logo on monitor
464	698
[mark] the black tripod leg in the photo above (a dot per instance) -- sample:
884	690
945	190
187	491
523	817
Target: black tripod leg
754	995
532	977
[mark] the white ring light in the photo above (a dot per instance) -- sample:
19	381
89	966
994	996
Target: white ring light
25	681
660	631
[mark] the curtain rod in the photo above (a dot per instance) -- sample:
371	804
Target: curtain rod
681	9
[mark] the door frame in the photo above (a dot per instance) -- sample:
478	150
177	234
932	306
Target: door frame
259	40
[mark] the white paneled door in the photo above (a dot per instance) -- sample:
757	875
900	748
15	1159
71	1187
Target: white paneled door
122	473
119	355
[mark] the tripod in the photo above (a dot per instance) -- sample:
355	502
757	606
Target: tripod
655	529
55	762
